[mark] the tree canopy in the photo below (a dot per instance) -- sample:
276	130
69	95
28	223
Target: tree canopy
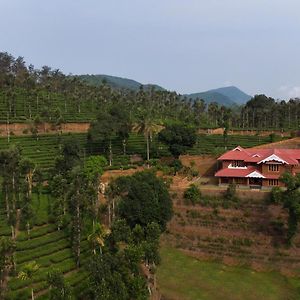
144	199
178	138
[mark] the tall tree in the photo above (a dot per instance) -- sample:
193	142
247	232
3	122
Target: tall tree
58	288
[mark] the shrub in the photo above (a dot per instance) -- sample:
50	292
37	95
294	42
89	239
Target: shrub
230	193
176	165
192	195
275	196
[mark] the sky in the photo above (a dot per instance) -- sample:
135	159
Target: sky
183	45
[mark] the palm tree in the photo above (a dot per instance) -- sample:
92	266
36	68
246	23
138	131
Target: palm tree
96	238
148	127
28	272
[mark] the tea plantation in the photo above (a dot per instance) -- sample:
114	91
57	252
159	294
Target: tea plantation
44	149
49	248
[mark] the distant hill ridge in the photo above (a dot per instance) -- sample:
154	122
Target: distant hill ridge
227	96
118	82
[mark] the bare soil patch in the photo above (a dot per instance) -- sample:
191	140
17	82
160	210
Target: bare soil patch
293	143
20	129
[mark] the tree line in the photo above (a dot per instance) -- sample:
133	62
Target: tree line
48	95
122	233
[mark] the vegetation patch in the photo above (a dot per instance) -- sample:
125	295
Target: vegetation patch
186	278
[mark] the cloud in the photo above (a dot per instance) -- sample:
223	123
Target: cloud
288	91
294	92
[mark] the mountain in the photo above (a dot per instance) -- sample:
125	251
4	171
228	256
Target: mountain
234	94
117	82
227	96
211	96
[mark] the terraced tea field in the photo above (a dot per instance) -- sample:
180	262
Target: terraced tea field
214	144
50	248
28	106
44	150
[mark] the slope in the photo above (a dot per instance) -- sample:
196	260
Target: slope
234	94
211	96
117	82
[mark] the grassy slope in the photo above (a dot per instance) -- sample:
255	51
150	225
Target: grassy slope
183	277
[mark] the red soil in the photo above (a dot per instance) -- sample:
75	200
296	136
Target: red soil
46	128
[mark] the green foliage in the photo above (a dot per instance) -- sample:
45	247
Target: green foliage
93	166
192	194
59	290
290	198
7	248
112	279
178	138
69	157
230	193
276	195
144	199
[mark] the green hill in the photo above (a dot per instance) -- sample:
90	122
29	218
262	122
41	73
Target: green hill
117	82
210	97
234	94
227	96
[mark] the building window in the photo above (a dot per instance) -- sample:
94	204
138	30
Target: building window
273	182
237	164
274	168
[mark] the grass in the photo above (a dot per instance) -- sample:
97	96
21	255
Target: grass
186	278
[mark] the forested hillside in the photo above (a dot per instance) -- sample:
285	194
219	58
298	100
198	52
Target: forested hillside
65	234
35	95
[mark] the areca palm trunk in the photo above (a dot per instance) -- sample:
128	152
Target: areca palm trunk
110	154
148	148
32	294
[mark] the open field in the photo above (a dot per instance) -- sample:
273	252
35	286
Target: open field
186	278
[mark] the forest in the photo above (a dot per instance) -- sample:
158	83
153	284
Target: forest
41	95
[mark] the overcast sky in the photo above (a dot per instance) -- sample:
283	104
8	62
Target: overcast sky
183	45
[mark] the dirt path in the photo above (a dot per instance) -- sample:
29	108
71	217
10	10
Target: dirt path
20	129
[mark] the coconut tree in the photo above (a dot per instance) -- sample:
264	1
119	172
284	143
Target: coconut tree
148	127
28	272
96	238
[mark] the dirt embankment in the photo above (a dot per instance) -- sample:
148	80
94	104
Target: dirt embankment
244	132
293	143
206	165
45	128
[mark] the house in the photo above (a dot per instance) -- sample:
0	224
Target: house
257	167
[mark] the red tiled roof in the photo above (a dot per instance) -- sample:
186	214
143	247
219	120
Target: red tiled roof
236	172
290	156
